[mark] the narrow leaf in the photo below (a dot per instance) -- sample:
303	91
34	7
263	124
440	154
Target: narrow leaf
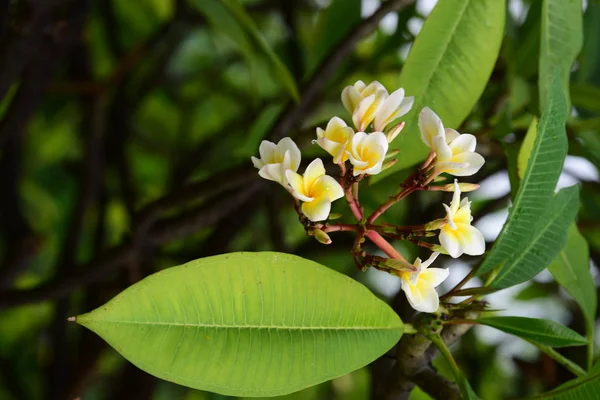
537	187
549	237
448	67
583	388
247	324
561	41
538	331
571	269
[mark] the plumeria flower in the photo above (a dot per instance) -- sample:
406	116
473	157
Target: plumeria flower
371	103
455	153
367	152
276	159
335	139
315	189
419	286
457	236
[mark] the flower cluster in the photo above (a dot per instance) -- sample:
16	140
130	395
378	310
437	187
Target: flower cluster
361	150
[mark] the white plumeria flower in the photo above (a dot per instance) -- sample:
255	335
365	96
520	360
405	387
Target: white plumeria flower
394	106
455	153
315	189
367	152
335	139
457	236
276	159
371	103
419	286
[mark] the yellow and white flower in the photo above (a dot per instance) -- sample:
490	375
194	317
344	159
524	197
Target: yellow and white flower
455	152
419	286
367	152
315	189
276	159
335	139
372	103
457	236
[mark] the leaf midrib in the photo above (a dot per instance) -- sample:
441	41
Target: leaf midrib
223	326
535	238
534	334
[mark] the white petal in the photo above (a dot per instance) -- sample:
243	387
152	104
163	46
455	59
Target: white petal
272	172
257	162
314	170
422	297
467	164
462	143
430	126
295	182
429	261
326	186
473	240
405	106
350	98
317	210
372	88
450	216
451	134
336	122
386	113
374	170
377	139
288	144
434	276
449	241
320	133
441	148
267	151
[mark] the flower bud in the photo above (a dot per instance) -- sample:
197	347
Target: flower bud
439	248
394	131
321	236
392	153
334	216
464	187
435	224
389	164
400	265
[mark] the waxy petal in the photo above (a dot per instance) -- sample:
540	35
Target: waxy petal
430	126
287	144
434	276
350	98
463	143
257	162
314	170
267	151
442	150
317	209
326	186
390	110
296	183
422	297
469	164
464	239
451	134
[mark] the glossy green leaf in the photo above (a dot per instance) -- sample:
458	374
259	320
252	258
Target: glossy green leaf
583	388
526	147
279	67
561	41
247	324
571	269
537	331
549	237
537	187
448	67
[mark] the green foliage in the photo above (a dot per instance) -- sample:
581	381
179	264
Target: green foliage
561	41
247	324
538	331
583	388
571	269
526	148
448	68
536	189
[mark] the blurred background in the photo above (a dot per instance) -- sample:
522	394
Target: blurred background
126	129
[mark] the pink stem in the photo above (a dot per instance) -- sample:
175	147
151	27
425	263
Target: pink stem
340	228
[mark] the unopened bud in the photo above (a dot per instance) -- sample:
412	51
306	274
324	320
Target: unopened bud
334	216
392	153
389	164
399	265
463	186
321	236
394	131
435	224
439	248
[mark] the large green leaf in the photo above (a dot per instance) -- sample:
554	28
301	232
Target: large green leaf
247	324
561	41
538	331
537	187
448	67
571	269
585	96
549	237
583	388
526	147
